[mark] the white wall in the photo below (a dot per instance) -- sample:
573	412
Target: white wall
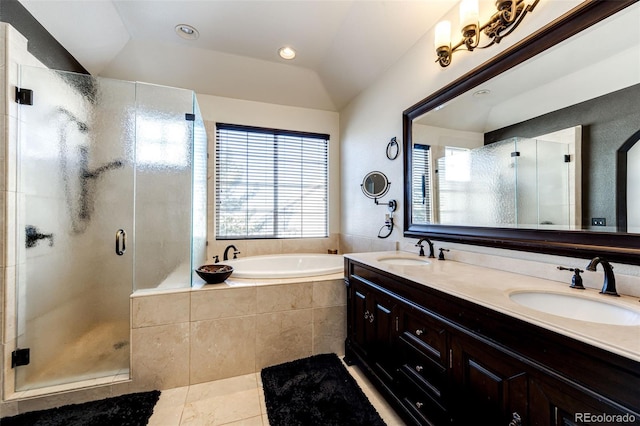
369	121
234	111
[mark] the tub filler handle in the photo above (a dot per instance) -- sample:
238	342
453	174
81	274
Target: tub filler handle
121	242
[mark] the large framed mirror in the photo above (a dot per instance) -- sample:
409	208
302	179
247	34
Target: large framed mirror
535	149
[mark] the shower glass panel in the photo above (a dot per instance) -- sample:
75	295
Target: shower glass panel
199	191
526	188
164	157
76	190
554	185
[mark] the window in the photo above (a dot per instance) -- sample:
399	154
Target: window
421	184
270	183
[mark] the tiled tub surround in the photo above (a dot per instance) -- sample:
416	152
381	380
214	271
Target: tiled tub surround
238	327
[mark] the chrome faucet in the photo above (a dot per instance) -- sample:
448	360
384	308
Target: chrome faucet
609	284
419	244
226	252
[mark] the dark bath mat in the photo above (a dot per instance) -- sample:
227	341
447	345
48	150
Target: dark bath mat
126	410
316	391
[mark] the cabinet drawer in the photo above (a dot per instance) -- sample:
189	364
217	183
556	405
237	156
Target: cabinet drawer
423	370
427	333
421	405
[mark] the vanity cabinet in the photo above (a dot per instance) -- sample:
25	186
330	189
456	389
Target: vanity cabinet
440	359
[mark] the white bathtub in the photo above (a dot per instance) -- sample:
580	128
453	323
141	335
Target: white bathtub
286	265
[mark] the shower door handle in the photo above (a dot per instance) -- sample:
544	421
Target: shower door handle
121	242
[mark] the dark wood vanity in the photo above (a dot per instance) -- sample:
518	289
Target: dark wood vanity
440	359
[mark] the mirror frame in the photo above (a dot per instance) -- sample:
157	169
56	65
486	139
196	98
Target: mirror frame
624	248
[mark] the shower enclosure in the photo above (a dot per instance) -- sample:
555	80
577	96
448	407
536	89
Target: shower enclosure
111	182
516	183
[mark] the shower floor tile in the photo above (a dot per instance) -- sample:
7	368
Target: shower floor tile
238	401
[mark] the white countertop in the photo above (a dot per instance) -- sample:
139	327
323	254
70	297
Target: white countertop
491	288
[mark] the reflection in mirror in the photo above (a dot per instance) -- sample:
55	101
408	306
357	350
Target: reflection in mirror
582	71
375	185
517	183
496	155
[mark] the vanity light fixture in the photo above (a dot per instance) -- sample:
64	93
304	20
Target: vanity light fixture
187	32
287	52
507	18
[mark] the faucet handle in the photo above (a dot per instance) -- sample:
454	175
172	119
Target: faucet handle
441	255
235	254
576	280
216	259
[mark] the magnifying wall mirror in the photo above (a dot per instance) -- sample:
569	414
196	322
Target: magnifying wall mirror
375	185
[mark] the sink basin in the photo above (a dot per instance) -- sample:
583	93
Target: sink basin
397	260
579	308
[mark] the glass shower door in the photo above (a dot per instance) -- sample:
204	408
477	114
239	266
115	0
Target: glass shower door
76	191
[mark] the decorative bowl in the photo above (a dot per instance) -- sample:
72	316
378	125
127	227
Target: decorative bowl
214	274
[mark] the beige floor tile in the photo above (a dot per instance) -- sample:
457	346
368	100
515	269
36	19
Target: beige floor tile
222	387
223	409
253	421
168	409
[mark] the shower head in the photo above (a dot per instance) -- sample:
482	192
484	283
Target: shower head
82	127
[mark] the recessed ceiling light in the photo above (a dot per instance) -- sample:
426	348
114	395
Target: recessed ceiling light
287	52
187	32
481	92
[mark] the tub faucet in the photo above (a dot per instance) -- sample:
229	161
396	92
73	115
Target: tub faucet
226	252
609	284
419	244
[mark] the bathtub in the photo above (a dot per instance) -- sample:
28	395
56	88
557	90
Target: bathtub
286	265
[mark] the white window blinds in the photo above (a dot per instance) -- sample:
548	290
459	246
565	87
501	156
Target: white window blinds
270	183
421	184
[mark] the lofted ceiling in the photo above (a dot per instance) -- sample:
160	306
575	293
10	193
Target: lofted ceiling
343	46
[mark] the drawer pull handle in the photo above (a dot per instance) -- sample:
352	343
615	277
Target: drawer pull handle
419	404
419	368
516	420
419	332
366	315
371	318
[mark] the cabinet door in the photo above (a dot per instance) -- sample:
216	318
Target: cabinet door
490	386
373	324
556	403
359	315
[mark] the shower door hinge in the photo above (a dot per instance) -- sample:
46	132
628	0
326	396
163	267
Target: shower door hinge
567	158
19	357
515	154
190	117
24	96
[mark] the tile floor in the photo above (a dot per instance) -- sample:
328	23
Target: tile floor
238	401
